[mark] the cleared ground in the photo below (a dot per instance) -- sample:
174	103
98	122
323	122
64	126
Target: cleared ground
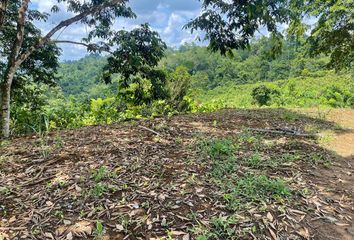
200	176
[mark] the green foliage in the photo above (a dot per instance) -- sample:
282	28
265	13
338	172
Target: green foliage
220	228
99	230
262	95
99	174
243	19
339	96
217	148
247	189
231	25
81	77
256	188
43	63
330	90
178	85
193	79
333	33
135	59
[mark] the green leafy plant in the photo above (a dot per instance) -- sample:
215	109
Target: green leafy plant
263	95
99	231
99	174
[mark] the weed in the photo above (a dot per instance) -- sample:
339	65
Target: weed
3	160
254	161
290	116
317	158
3	211
99	174
99	230
217	148
256	189
249	137
59	214
223	168
220	228
178	140
98	190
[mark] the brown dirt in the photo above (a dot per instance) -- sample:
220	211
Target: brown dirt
158	183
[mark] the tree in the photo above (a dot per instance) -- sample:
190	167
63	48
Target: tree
231	24
26	52
334	32
135	58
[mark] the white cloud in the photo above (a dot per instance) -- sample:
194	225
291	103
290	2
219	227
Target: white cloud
165	16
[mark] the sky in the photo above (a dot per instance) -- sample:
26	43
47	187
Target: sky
167	17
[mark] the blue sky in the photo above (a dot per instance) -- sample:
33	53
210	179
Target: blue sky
165	16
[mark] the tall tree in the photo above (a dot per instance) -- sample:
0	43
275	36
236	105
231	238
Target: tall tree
22	43
231	24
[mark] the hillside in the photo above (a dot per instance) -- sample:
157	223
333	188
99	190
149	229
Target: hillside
196	176
326	89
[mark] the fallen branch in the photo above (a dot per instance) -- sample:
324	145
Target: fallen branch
285	132
150	130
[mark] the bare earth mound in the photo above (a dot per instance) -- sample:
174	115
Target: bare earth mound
198	176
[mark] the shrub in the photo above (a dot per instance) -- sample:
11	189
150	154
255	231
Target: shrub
262	95
338	96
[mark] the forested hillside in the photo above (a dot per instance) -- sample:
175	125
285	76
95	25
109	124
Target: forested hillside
208	69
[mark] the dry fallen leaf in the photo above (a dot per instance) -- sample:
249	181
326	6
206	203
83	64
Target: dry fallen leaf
304	232
177	233
270	217
69	236
120	227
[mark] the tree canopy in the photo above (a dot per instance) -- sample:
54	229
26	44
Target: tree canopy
29	53
231	24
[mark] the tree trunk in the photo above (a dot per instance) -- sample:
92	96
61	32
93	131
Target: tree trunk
5	95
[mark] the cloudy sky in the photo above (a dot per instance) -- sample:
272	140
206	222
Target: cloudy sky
165	16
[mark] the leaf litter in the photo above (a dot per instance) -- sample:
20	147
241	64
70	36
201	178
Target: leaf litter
141	183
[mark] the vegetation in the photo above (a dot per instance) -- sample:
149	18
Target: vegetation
187	79
246	165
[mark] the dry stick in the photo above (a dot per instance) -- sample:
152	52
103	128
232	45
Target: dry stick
12	228
282	132
150	130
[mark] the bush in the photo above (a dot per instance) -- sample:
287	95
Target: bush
263	95
339	96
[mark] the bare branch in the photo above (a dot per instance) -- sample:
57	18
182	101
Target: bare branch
87	45
73	42
64	24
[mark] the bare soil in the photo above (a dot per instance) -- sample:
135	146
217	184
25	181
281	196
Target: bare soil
146	180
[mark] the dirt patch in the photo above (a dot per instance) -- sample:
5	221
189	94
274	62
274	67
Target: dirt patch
123	181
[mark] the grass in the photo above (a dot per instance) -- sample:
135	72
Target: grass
220	228
99	174
217	148
249	188
256	189
295	92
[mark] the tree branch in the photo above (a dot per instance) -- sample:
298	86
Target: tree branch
3	7
20	31
87	45
63	24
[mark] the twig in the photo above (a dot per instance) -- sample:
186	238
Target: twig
282	132
150	130
12	228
